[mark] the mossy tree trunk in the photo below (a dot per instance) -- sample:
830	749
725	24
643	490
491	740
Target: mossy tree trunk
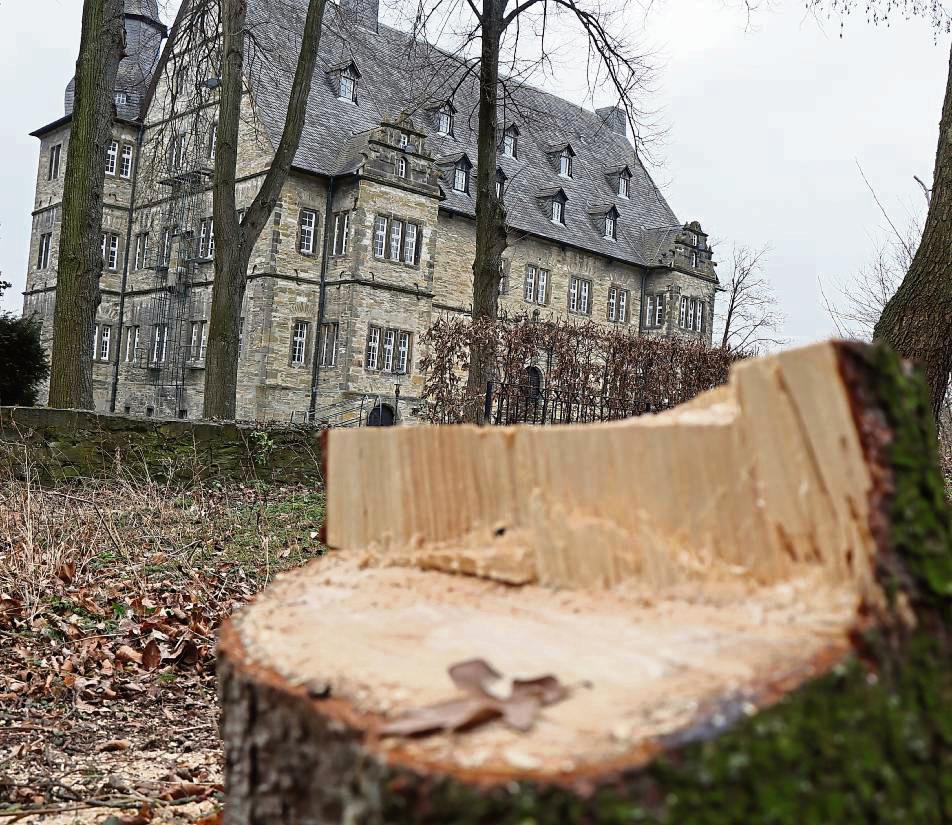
101	47
234	239
917	320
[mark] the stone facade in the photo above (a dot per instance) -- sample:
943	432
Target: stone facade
362	341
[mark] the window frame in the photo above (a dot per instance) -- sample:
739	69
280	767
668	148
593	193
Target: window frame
104	342
565	163
611	227
443	114
329	332
557	207
126	157
45	250
132	344
460	170
581	294
306	231
510	137
300	335
112	157
347	74
624	182
535	288
206	239
383	240
56	151
112	261
341	240
402	167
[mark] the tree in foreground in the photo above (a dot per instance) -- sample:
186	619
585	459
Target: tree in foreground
750	314
101	46
752	636
235	235
23	364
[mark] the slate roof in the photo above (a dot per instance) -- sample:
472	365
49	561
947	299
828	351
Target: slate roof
403	77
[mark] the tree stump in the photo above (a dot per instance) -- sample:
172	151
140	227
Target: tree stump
736	611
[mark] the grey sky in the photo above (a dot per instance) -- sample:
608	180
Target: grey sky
765	126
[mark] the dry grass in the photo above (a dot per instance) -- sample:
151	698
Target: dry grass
110	594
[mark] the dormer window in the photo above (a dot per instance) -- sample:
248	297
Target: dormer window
444	119
121	98
347	79
553	202
510	142
565	163
611	224
404	140
624	184
500	183
460	178
558	211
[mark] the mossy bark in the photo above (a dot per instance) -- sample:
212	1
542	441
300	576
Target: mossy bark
869	741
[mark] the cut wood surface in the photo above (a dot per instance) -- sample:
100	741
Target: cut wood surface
681	576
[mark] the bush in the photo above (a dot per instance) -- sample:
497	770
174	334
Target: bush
23	364
582	371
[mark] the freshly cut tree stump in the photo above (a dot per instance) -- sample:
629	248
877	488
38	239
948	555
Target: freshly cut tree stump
743	604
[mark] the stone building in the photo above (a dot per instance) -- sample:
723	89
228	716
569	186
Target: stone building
374	234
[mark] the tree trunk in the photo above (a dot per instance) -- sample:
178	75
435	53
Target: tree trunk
754	635
101	46
917	320
490	211
235	241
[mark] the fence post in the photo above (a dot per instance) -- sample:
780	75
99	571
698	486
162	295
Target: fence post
488	404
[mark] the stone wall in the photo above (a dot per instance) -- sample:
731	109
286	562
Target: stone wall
74	444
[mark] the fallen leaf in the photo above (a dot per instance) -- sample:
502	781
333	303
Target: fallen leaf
124	653
152	655
113	745
66	572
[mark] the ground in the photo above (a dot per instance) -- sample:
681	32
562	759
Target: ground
110	595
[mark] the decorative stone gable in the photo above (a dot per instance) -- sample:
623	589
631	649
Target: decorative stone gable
396	154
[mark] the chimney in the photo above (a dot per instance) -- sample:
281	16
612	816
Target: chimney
364	13
614	118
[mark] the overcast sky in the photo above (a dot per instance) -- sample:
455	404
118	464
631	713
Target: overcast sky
765	125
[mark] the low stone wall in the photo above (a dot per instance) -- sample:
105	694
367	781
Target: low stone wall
72	444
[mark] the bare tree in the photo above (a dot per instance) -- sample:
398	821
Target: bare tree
611	60
101	47
751	318
236	238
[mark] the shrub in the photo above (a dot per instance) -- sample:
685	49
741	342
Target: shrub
23	364
587	371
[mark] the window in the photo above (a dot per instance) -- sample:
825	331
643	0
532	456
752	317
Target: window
299	343
328	345
558	211
654	311
112	153
536	289
101	339
691	316
444	121
43	256
341	232
160	342
699	316
461	178
121	98
206	238
306	225
610	226
388	350
199	341
389	339
396	240
241	336
132	344
176	152
55	154
683	313
212	141
617	305
694	258
624	184
142	250
110	251
510	142
404	140
402	167
372	359
580	293
125	164
403	353
348	85
565	163
165	256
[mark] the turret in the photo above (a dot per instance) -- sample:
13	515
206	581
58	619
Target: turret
144	34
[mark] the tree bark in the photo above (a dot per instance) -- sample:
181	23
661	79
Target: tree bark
235	241
917	320
101	47
490	211
839	716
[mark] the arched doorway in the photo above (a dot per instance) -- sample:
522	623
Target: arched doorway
533	383
381	416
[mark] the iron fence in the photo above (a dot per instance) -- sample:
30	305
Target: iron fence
531	403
